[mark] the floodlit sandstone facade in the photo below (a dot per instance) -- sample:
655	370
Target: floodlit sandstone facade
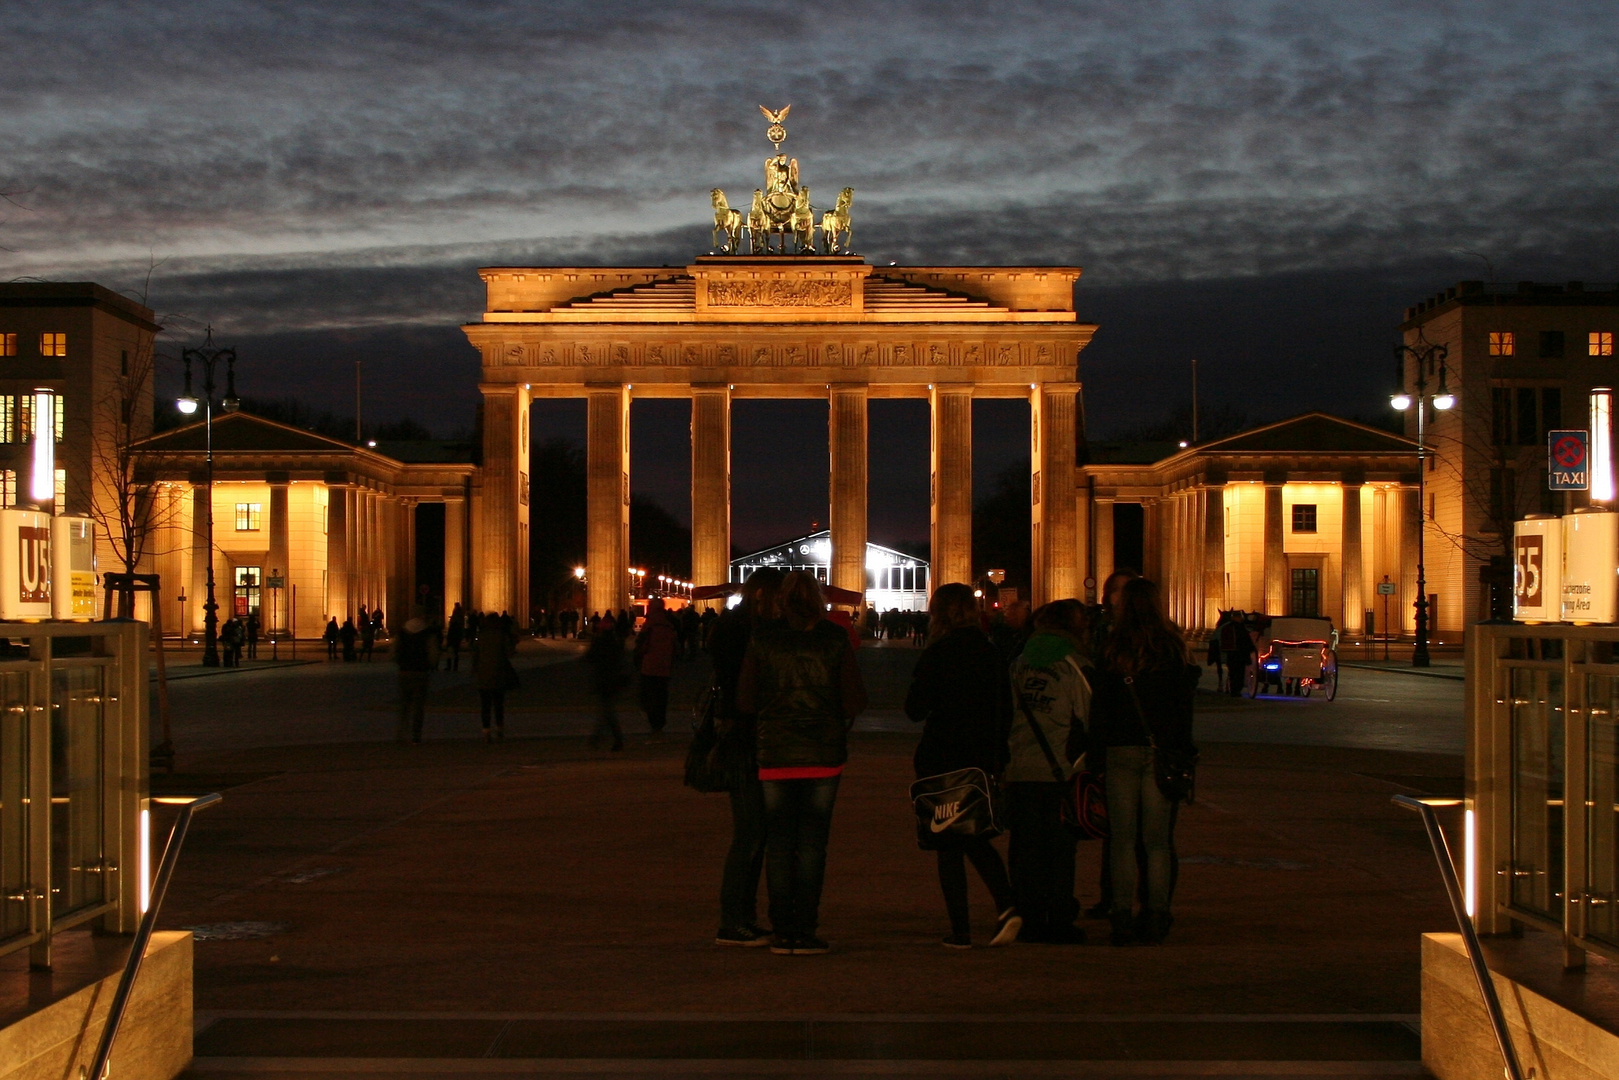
1521	360
832	328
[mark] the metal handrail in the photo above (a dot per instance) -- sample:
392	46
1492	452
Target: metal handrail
143	935
1458	907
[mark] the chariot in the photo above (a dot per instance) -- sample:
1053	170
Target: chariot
1295	656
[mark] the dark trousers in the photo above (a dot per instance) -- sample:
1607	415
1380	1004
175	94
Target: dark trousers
413	687
606	729
331	648
1041	853
739	889
492	703
953	879
798	820
655	700
1236	664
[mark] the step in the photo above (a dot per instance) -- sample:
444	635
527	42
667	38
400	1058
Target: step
316	1044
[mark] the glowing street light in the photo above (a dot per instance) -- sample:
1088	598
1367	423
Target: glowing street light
1426	355
1602	487
43	487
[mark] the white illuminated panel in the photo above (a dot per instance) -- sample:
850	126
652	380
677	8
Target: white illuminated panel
1590	556
1601	444
1537	569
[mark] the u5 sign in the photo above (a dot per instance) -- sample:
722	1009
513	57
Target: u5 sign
1568	460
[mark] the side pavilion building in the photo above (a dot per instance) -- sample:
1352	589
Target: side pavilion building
828	327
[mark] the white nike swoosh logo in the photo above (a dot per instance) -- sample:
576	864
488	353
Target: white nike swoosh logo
941	826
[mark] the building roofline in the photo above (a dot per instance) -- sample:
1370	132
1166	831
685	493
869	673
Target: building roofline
17	294
1511	294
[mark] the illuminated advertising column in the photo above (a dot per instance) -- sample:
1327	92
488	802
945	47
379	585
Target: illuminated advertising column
25	565
73	567
1590	558
1537	569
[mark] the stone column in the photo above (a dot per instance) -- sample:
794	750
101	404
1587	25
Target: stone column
1411	521
499	584
1354	614
1052	430
1276	583
952	485
847	439
354	583
1104	544
710	485
199	556
1213	553
607	514
1152	539
338	524
455	554
1082	533
273	607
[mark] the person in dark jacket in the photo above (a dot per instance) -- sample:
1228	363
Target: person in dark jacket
1142	694
455	634
801	683
960	695
416	656
330	637
347	636
728	645
605	659
493	673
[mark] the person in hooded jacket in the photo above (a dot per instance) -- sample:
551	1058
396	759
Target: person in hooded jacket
1142	693
1049	688
960	695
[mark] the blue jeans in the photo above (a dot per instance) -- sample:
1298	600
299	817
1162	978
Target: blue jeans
1135	807
798	820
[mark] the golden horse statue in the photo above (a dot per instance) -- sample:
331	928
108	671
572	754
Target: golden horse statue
727	224
758	225
836	226
803	223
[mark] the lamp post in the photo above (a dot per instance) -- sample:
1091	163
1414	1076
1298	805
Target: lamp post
209	357
1427	355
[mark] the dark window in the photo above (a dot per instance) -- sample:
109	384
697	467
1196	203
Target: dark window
1500	416
1551	344
1528	433
1551	410
1503	498
1304	518
1306	591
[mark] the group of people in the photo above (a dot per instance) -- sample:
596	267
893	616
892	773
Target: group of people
1105	689
362	631
897	625
239	634
420	645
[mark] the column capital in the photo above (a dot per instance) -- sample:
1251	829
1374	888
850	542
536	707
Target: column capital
499	389
1059	387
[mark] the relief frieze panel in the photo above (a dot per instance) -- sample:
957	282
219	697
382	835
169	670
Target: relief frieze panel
780	293
809	353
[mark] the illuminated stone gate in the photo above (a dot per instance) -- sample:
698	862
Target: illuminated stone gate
777	326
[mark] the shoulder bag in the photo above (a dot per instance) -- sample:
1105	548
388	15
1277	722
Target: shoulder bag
1174	769
1084	802
712	763
954	805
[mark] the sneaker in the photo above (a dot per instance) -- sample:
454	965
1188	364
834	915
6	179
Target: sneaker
810	945
957	941
746	936
1011	923
782	945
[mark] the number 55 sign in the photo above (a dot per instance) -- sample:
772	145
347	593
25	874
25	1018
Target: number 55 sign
1537	561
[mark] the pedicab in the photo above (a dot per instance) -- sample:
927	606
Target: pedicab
1295	656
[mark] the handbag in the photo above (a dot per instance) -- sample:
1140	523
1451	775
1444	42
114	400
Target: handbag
954	805
1084	802
712	765
1173	770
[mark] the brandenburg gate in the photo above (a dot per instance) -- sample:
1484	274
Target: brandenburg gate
775	324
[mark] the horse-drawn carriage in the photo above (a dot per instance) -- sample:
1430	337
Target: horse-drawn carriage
1294	656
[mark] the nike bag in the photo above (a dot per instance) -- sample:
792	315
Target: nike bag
954	804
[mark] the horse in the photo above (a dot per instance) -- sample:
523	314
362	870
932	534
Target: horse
836	222
727	223
758	226
803	223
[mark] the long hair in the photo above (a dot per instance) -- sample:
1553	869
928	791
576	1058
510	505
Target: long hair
952	607
801	598
1143	638
759	593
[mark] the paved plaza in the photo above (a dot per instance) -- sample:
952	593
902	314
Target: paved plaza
535	901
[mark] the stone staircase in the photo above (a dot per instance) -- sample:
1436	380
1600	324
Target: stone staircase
313	1045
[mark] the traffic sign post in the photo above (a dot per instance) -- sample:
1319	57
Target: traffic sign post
1568	460
1385	589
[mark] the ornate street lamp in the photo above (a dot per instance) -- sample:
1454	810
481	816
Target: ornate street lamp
209	357
1426	354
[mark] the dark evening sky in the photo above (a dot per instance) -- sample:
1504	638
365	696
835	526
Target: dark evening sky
1261	186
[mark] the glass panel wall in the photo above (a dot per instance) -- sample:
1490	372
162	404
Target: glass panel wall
13	807
1602	790
1537	791
78	863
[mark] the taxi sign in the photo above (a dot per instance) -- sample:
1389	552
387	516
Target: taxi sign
1568	460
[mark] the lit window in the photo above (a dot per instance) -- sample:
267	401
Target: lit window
8	344
1601	343
247	517
8	418
8	488
53	344
24	415
61	489
1304	517
1501	343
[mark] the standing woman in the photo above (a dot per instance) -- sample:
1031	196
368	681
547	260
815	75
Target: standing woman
959	693
493	672
803	687
1142	701
728	645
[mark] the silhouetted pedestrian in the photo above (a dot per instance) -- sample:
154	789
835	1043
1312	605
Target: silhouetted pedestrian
493	673
654	662
416	655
